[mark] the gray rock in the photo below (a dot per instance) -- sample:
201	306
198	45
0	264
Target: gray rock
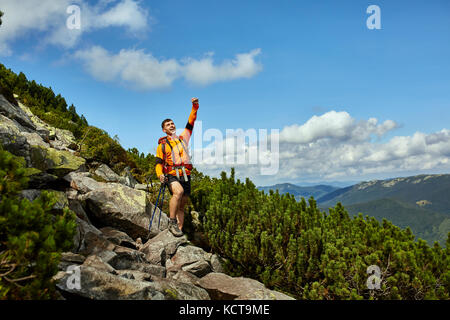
155	253
129	254
72	257
96	262
76	206
13	112
165	240
100	285
106	173
118	237
190	259
122	208
216	263
183	276
68	259
199	268
124	264
35	139
12	140
128	178
93	243
141	186
176	290
58	162
135	275
82	182
223	287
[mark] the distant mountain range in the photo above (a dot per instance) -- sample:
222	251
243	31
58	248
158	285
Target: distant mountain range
421	202
316	191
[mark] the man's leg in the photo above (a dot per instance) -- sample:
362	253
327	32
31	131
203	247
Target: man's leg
180	212
177	195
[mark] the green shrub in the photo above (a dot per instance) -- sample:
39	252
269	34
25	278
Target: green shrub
293	247
31	237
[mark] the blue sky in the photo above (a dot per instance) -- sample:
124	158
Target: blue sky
309	68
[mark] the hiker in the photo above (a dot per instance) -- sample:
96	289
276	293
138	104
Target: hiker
173	166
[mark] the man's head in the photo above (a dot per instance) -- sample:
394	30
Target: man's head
168	127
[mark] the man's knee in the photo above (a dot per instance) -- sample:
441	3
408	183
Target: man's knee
177	190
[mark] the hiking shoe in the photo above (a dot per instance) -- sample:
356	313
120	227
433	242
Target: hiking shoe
173	228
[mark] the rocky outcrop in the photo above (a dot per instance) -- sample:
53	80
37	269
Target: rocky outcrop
223	287
14	113
114	254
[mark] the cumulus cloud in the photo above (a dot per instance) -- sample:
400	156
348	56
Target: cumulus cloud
134	67
335	125
48	18
204	71
337	146
142	70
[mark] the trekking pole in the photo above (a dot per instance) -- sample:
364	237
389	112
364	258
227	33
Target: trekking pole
156	205
162	203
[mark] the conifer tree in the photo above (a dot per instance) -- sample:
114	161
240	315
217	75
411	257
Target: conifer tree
31	236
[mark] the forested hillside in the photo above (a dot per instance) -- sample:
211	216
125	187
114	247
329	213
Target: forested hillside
420	202
294	247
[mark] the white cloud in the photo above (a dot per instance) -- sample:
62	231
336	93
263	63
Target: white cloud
48	18
337	146
143	71
335	125
204	71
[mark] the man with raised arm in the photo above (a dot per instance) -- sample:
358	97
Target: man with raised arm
173	166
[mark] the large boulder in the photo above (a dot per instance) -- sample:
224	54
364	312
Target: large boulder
106	173
57	162
12	140
13	112
102	285
122	208
90	282
118	237
162	247
82	182
97	262
176	290
223	287
190	259
60	139
121	263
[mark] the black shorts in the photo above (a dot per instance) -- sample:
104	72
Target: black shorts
185	184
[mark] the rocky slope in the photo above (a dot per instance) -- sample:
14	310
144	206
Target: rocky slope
114	255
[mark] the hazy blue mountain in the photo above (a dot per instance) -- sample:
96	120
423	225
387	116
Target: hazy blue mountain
431	192
337	184
298	191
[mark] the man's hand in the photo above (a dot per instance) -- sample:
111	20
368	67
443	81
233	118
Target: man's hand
194	100
162	178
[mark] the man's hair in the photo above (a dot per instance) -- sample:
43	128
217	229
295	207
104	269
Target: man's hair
164	122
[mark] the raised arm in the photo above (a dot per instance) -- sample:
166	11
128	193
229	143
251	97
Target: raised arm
187	132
